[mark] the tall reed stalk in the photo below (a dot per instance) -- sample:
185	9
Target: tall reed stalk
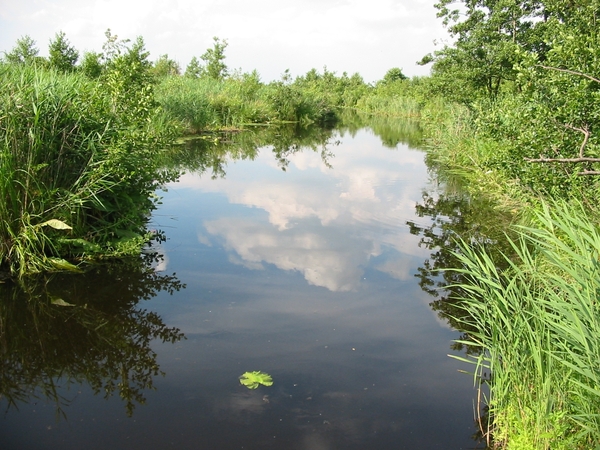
538	330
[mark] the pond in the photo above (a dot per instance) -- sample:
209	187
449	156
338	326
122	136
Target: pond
297	258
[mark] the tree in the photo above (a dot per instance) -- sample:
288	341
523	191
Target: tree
24	52
194	69
487	35
164	67
62	55
214	57
91	64
394	74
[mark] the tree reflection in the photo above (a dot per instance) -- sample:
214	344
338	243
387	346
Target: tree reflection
211	153
454	215
66	329
391	130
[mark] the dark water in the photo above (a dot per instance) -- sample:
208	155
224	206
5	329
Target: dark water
307	274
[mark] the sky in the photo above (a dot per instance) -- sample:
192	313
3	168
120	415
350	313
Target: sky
364	36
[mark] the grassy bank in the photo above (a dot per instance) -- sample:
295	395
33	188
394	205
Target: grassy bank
77	166
202	104
536	325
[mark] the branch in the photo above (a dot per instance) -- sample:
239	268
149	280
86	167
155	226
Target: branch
586	137
572	72
562	160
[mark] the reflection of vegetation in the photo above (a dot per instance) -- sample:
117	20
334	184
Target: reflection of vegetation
212	152
391	130
453	214
103	339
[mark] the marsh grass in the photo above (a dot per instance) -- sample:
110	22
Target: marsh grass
204	104
76	173
538	330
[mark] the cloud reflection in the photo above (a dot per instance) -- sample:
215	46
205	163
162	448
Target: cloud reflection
327	224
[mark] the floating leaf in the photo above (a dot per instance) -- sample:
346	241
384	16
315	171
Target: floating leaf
253	379
56	224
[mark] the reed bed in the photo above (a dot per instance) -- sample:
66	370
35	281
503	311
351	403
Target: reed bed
538	330
76	173
202	104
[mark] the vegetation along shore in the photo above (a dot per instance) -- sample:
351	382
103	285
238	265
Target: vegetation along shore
511	108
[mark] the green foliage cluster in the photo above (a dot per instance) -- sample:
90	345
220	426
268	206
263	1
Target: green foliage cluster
528	73
206	103
536	325
516	113
80	153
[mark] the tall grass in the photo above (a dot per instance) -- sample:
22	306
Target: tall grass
76	173
538	330
201	104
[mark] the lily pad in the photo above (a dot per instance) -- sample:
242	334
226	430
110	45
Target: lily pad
253	379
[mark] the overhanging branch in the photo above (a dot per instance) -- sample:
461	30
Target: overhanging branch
572	72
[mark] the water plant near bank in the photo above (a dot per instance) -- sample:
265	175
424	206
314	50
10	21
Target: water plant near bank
536	324
77	162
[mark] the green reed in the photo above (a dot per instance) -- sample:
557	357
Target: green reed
76	172
538	330
201	104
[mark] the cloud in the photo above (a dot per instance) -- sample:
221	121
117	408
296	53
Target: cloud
267	35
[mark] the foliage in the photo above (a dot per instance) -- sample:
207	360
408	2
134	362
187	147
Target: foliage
394	74
62	55
24	52
194	69
253	379
91	65
206	103
81	152
164	67
537	326
214	58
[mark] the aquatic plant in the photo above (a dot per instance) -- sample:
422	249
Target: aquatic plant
537	326
253	379
81	152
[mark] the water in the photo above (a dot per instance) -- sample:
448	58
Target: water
307	274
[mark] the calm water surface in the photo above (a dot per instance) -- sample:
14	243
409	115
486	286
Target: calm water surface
306	274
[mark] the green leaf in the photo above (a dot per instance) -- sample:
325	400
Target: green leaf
253	379
61	264
56	224
60	302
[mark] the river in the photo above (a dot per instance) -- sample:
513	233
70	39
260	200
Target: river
296	260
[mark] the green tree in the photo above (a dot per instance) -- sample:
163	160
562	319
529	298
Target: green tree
214	59
129	80
24	52
487	35
62	55
194	69
91	64
164	67
394	74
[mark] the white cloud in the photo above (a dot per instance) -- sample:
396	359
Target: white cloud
267	35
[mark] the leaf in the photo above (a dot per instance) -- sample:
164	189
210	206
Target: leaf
61	264
253	379
56	224
60	302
